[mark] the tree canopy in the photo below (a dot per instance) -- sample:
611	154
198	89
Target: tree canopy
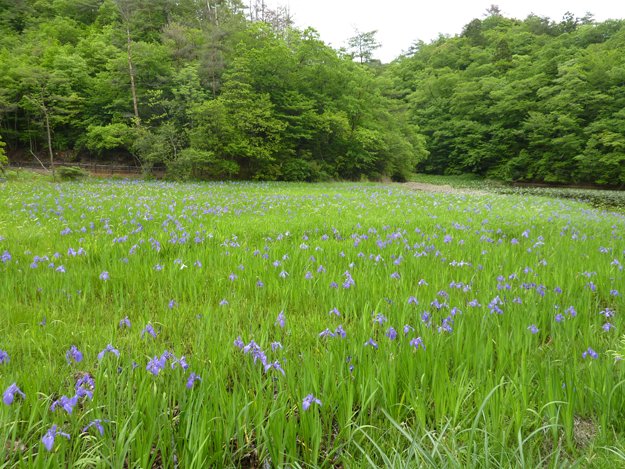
240	93
521	100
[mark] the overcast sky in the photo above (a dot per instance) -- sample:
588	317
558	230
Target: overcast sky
400	22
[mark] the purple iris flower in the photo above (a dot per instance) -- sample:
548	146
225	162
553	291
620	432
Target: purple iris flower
308	276
284	274
48	438
232	277
533	329
413	300
326	333
182	361
6	256
380	319
416	343
259	284
280	319
335	311
149	330
192	379
474	303
275	346
391	333
607	326
109	348
571	311
4	357
66	403
590	352
445	325
104	275
155	365
396	275
85	380
9	395
197	264
275	365
60	269
340	332
334	285
82	392
258	353
407	329
607	312
250	347
308	400
371	342
125	322
43	323
422	282
320	269
239	343
173	304
74	353
223	302
97	423
559	317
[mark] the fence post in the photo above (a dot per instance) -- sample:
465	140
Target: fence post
111	168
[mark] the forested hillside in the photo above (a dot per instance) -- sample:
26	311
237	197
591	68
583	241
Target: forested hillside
521	100
195	84
236	90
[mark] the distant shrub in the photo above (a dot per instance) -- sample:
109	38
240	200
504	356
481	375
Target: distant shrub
71	172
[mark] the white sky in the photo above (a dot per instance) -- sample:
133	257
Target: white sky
400	22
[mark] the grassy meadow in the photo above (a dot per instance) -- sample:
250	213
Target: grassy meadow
271	325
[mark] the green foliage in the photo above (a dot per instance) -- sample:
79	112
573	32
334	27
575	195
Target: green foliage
71	172
528	100
3	156
99	138
252	100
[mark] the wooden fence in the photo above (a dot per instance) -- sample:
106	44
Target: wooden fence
90	167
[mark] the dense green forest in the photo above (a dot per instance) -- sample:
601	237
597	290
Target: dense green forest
237	91
521	100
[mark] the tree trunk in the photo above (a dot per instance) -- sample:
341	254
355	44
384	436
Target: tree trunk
45	113
132	78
